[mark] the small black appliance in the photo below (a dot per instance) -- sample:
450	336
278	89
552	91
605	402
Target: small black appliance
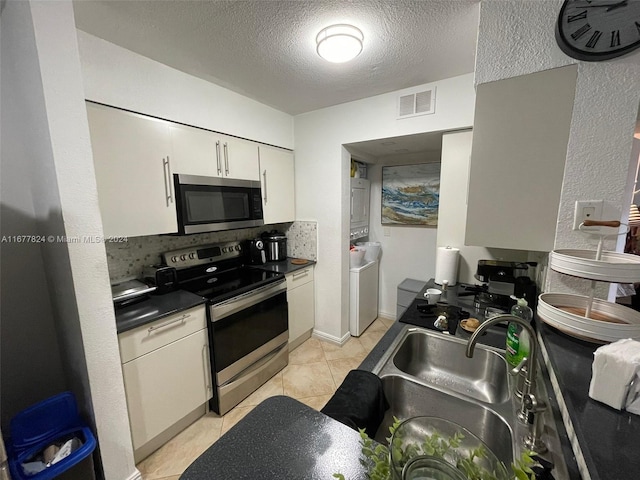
256	254
163	277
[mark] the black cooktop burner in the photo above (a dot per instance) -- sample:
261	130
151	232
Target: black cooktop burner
220	286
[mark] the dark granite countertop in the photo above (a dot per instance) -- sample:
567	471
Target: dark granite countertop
285	266
282	439
607	439
155	307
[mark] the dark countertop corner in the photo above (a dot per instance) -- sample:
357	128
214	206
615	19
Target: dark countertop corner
306	445
154	307
284	266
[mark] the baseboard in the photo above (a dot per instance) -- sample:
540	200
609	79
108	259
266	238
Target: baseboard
387	316
135	475
330	338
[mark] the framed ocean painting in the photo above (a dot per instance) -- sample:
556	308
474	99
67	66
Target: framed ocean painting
411	194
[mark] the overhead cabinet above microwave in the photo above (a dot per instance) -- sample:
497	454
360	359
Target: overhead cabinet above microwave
205	153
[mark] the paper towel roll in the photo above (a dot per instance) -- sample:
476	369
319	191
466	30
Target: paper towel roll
447	259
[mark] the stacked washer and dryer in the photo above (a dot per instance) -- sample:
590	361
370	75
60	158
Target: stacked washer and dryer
364	262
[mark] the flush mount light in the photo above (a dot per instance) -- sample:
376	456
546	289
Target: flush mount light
339	43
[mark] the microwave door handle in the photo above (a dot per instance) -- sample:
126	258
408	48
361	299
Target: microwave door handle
226	159
264	176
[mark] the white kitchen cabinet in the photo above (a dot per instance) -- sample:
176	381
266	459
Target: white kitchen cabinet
520	135
239	158
132	160
278	180
166	372
301	305
195	151
202	152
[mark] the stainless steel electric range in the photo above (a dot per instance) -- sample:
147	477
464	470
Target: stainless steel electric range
247	318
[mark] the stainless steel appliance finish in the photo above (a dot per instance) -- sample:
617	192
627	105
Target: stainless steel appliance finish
432	376
248	319
210	204
275	244
240	369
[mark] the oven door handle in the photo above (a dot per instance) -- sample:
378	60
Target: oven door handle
246	300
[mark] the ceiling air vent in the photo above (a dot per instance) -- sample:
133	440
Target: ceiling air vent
417	103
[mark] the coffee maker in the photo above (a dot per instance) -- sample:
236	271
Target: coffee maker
504	281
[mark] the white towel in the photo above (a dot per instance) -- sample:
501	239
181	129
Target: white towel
614	367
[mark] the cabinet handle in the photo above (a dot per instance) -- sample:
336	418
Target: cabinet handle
218	161
167	180
171	322
304	273
207	367
170	192
264	176
226	159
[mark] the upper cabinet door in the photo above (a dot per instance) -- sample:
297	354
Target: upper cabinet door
519	148
195	151
239	158
278	191
131	155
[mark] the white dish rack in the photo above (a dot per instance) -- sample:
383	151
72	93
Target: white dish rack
586	317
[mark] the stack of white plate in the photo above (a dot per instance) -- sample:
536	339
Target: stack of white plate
612	266
608	321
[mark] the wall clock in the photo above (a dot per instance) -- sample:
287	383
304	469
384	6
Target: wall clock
595	30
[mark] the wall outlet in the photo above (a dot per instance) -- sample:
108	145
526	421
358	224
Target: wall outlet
387	231
587	210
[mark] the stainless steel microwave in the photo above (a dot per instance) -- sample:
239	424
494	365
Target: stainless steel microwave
210	204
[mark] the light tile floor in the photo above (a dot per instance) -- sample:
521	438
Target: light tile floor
316	368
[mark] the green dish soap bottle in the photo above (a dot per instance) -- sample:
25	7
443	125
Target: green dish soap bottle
517	336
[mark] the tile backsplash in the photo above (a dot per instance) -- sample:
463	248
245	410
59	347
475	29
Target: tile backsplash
126	260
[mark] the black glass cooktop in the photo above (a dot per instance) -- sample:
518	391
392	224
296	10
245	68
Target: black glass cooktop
220	286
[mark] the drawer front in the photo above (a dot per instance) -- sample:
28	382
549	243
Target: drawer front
154	335
299	277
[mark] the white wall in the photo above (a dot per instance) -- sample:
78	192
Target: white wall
65	203
116	76
31	361
407	251
604	115
322	177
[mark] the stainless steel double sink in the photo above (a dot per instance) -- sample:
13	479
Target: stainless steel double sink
425	372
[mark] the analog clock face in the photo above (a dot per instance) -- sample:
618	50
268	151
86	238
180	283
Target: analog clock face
593	30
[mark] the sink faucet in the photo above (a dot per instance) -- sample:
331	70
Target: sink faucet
531	407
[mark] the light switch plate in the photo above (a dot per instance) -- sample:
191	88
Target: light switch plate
587	210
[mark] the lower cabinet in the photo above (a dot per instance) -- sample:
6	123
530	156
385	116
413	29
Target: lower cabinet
167	376
301	300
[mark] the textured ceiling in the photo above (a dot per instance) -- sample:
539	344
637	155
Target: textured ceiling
265	50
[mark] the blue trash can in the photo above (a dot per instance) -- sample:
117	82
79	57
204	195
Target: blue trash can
55	419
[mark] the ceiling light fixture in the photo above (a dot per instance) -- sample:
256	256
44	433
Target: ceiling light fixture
339	43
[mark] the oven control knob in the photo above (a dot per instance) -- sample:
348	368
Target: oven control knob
192	256
183	257
174	259
224	249
237	248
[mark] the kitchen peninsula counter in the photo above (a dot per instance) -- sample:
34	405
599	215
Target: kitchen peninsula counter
272	448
